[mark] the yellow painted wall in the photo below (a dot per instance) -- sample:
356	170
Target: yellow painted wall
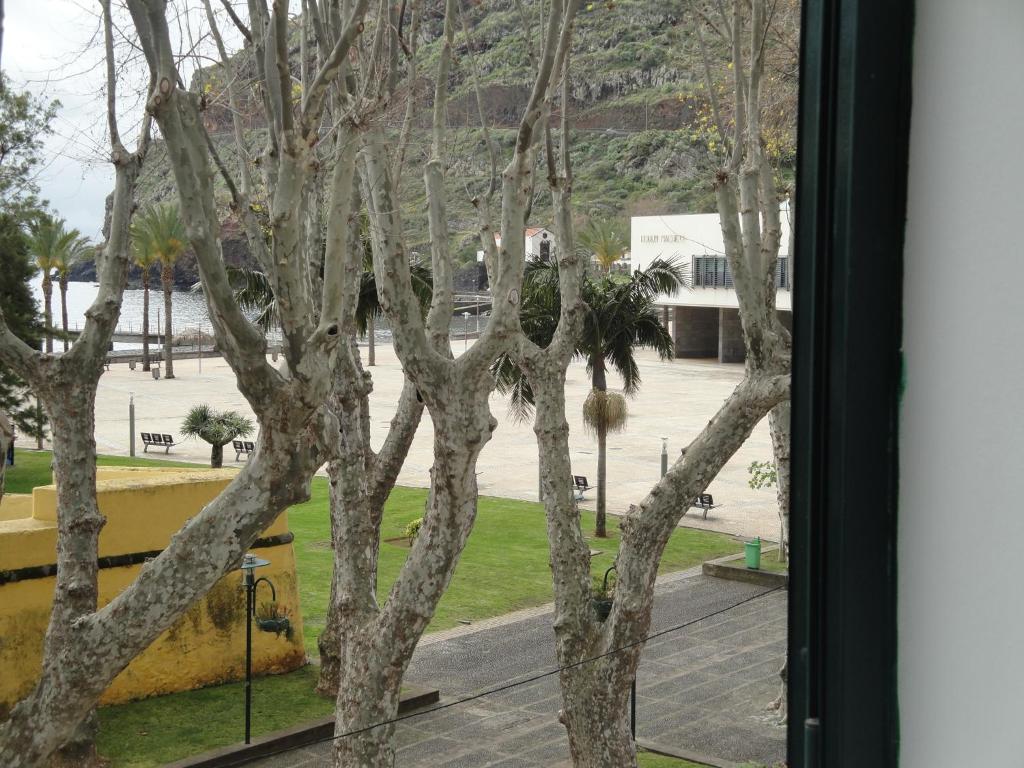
15	505
143	508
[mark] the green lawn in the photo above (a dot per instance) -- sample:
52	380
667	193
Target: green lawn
503	568
32	468
151	732
770	562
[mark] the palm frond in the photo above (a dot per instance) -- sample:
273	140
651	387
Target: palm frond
368	304
605	240
510	380
661	276
216	428
159	233
51	243
254	293
651	334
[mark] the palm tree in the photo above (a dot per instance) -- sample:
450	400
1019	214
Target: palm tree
78	249
218	429
605	241
145	259
369	309
50	241
621	317
160	231
255	294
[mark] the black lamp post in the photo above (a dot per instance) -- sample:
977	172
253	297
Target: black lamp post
249	564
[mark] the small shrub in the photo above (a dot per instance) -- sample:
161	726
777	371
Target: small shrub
412	530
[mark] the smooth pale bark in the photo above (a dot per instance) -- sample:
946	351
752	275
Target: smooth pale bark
52	715
145	319
39	421
95	647
78	526
63	283
48	310
455	392
744	193
167	281
371	335
375	658
603	686
778	421
360	482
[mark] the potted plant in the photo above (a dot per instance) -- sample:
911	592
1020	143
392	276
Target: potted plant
270	617
604	595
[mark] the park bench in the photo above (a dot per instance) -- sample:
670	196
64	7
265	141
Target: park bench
158	440
243	447
706	502
580	486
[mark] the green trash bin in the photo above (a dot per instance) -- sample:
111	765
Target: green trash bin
753	551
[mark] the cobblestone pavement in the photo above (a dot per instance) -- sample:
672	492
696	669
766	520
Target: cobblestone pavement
703	688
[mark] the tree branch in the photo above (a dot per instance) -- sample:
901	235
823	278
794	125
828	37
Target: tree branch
246	33
313	100
442	303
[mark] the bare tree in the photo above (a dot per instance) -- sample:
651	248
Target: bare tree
599	659
86	648
376	650
66	385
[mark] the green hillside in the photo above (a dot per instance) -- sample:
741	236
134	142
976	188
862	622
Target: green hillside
639	130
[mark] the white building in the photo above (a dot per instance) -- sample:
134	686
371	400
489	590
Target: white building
539	244
704	319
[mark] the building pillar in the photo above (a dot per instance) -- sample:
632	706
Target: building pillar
695	331
731	348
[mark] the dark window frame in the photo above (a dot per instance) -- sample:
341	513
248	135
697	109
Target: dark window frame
856	58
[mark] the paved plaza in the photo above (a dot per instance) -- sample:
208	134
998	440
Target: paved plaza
702	689
676	400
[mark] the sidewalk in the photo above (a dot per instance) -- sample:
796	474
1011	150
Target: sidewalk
676	401
702	689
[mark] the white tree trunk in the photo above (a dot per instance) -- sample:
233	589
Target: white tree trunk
49	716
360	483
645	532
779	421
379	652
371	335
595	694
93	648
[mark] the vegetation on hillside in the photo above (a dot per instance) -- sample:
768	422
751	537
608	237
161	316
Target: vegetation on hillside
640	117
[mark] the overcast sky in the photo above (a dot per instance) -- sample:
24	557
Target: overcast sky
54	48
47	50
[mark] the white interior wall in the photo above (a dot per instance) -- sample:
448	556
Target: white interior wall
961	526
